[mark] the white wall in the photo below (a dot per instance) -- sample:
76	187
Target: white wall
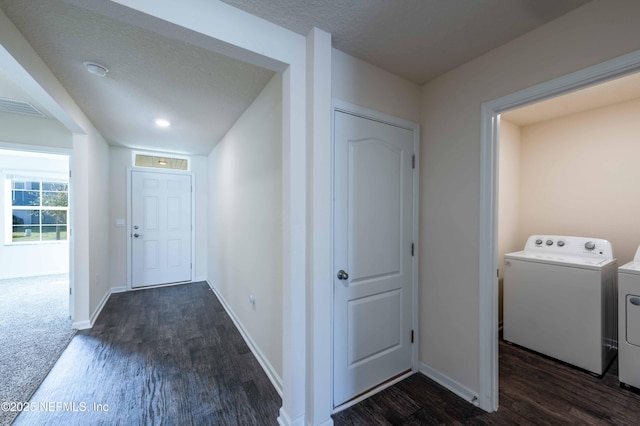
245	222
368	86
200	169
99	234
120	160
509	236
580	176
24	129
25	259
450	165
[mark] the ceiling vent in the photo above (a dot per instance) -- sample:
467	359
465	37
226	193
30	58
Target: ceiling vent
19	107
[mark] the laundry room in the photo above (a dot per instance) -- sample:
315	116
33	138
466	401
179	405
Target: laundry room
568	166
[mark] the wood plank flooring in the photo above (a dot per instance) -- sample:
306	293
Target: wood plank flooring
173	356
160	356
534	390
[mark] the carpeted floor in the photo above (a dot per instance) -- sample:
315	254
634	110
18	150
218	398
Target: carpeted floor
34	330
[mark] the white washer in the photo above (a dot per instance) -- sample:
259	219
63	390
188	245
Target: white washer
629	322
560	299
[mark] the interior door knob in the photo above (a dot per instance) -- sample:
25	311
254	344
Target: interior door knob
342	275
138	235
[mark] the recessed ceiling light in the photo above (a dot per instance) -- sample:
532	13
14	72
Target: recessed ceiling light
160	122
96	69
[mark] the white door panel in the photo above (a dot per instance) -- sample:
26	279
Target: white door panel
372	236
161	228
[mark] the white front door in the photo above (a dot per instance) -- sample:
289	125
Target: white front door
160	228
372	254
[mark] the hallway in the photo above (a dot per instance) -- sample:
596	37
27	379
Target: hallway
168	354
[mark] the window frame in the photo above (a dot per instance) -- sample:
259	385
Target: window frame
8	179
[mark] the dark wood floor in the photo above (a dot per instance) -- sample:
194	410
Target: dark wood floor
534	390
161	356
173	356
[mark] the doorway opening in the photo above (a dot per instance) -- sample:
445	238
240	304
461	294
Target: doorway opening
489	205
34	215
565	163
35	320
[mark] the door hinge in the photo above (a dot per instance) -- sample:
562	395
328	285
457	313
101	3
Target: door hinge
498	272
69	174
411	336
412	248
413	161
69	291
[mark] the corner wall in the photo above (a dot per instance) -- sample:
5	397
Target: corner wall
99	236
245	224
450	166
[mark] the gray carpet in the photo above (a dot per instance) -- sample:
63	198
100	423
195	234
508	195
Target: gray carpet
34	330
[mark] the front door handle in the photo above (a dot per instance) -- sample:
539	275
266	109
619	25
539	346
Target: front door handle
138	235
342	275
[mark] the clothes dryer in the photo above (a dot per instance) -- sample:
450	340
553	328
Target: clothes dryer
560	299
629	322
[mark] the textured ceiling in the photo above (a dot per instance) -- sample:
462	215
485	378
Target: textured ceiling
203	93
415	39
200	92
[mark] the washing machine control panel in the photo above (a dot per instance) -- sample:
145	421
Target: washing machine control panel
570	246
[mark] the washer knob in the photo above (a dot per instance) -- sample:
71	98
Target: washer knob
538	242
589	245
560	243
549	242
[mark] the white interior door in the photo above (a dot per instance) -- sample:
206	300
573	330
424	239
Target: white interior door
372	254
160	228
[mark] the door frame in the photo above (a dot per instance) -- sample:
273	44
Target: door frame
42	149
488	231
130	170
369	114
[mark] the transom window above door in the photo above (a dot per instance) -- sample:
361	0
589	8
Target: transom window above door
160	161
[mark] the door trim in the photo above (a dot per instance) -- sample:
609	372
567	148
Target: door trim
488	244
128	220
369	114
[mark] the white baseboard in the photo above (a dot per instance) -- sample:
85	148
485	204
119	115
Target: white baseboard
81	325
276	381
284	420
103	302
372	392
325	423
457	388
85	325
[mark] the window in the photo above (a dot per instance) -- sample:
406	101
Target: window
39	208
159	161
